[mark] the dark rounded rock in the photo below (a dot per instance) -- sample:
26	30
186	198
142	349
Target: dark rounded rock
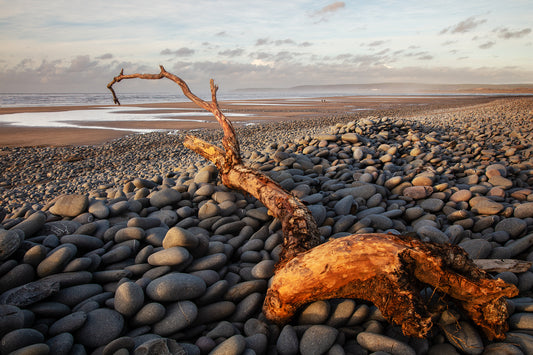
178	316
318	339
32	224
171	256
175	287
68	324
377	342
239	291
214	312
101	327
129	298
73	295
120	343
81	241
117	254
11	317
514	226
61	344
315	313
180	237
70	205
209	262
20	338
149	314
288	343
10	241
250	305
231	346
50	309
129	233
35	255
165	197
19	275
57	260
34	349
264	269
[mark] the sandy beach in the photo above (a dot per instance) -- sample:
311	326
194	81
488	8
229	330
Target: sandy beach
240	112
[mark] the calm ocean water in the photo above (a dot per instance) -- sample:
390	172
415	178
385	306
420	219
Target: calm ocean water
79	99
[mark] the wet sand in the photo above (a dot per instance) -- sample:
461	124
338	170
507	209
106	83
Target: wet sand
245	111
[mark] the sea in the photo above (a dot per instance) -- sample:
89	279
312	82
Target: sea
101	108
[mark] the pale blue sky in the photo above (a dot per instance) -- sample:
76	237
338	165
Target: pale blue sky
78	46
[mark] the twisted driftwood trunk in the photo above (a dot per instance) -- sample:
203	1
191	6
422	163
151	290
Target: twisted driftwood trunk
385	269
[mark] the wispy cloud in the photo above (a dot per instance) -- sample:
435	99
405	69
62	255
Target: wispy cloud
232	52
505	33
464	26
327	10
181	52
487	45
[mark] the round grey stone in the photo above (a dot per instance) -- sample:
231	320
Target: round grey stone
318	339
180	237
524	210
344	205
68	324
84	242
10	241
175	287
231	346
315	313
521	321
178	316
477	248
102	326
433	234
20	338
171	256
57	260
149	314
165	197
464	337
264	269
514	226
129	298
288	343
377	342
61	344
70	205
209	262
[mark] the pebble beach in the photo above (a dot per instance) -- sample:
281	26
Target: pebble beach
134	246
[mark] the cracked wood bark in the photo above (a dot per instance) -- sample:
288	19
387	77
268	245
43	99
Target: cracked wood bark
385	269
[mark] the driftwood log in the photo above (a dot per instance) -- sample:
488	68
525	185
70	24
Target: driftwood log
385	269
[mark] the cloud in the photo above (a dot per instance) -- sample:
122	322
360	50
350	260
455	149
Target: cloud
81	63
221	34
464	26
335	6
262	41
105	56
376	43
181	52
425	57
232	52
487	45
280	42
327	10
505	33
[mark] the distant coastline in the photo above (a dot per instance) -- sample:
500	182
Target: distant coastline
406	88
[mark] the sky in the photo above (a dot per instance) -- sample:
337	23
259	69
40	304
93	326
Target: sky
78	46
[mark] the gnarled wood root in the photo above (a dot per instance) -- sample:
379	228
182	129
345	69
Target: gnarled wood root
389	271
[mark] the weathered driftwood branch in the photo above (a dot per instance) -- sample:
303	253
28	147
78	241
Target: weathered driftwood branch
300	232
384	269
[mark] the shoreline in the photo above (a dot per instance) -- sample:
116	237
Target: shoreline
257	111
